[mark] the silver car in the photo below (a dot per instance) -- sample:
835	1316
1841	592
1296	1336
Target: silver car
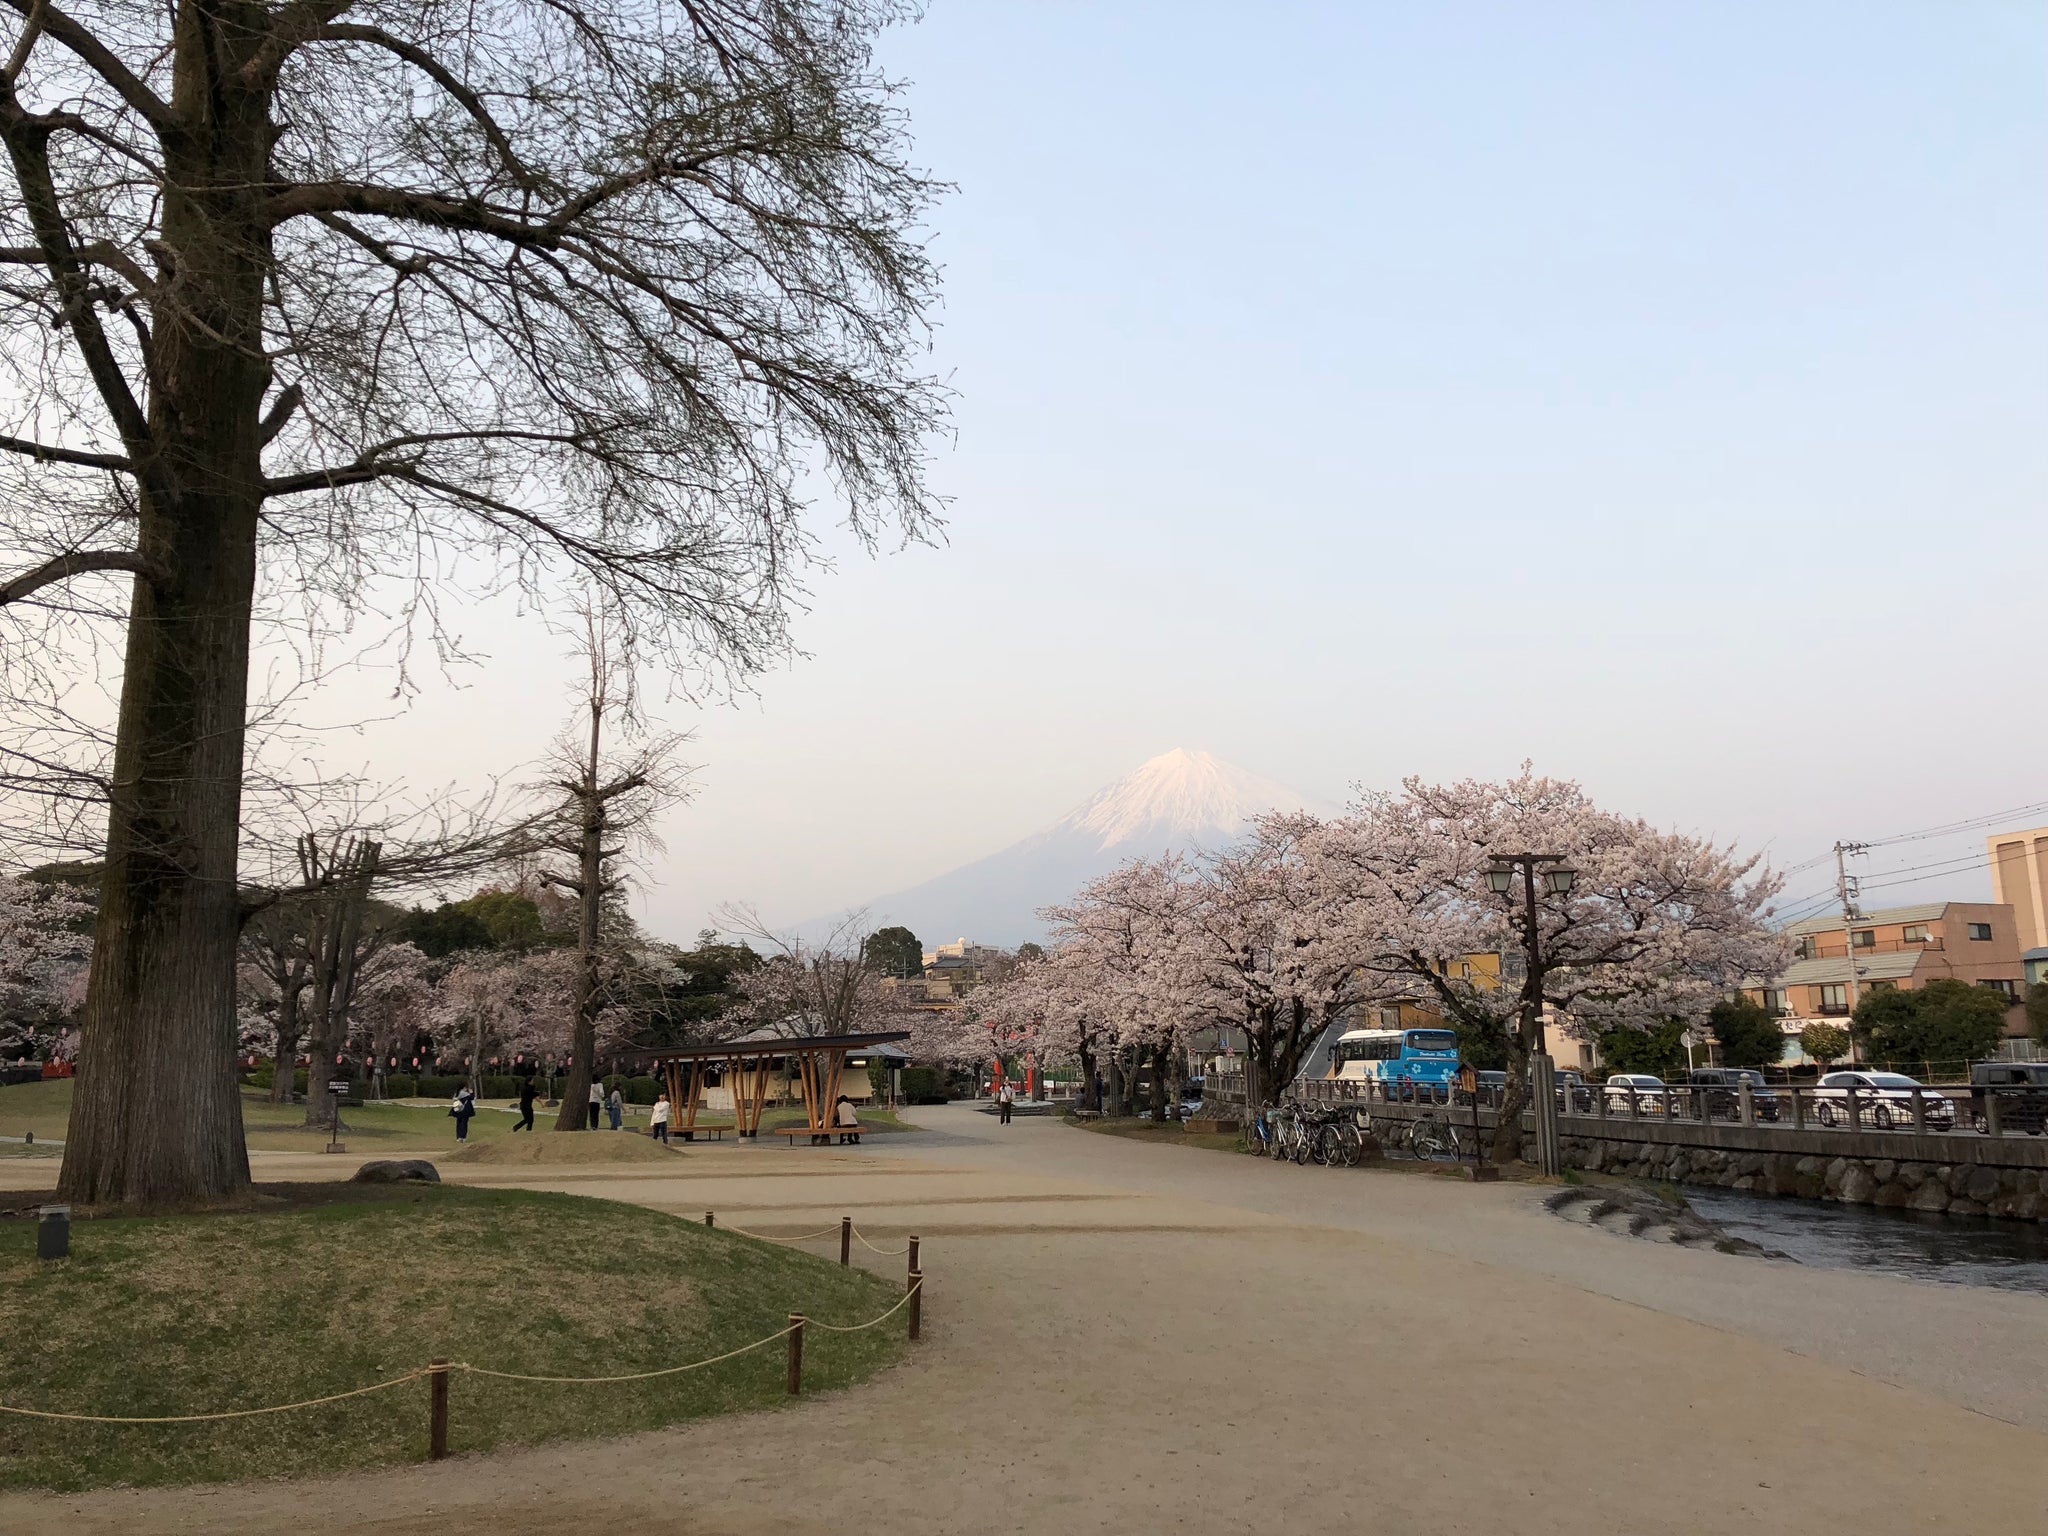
1637	1093
1884	1100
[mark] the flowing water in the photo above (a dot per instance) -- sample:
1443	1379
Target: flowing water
1921	1245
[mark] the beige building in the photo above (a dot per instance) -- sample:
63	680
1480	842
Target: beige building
2019	878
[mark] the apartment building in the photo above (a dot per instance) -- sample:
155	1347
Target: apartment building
1906	947
2019	878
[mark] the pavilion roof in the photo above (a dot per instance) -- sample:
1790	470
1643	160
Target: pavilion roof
761	1043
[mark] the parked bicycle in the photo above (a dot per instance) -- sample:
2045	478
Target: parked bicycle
1434	1138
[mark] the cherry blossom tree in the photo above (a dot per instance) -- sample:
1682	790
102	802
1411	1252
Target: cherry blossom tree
504	1004
44	958
1655	926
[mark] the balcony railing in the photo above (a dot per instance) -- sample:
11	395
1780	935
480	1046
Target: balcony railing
1882	947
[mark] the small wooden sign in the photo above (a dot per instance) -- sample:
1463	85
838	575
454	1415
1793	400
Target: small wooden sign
1468	1078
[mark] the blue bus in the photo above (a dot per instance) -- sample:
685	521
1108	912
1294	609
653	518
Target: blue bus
1400	1060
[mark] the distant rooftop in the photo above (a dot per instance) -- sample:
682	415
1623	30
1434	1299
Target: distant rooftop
1926	912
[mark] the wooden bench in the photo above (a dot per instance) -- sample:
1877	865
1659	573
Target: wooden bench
849	1133
691	1133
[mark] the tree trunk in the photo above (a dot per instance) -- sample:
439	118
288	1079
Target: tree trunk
575	1113
336	935
1091	1096
1159	1054
1507	1136
156	1117
1113	1090
285	1059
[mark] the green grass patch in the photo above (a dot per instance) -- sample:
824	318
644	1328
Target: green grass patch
322	1288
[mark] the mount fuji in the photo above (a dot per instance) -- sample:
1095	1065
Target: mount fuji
1180	801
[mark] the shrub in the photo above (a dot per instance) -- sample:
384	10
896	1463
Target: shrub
401	1085
501	1087
434	1087
924	1085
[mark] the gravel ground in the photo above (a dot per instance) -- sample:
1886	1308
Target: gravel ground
1137	1338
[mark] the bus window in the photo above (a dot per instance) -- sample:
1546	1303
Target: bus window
1432	1040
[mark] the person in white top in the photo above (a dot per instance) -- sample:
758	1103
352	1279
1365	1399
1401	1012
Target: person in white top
1005	1097
657	1123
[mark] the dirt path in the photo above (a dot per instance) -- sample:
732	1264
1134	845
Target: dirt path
1149	1339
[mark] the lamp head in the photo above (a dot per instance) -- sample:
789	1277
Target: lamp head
1500	877
1562	881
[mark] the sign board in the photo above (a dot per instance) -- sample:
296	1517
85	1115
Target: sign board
338	1085
1468	1078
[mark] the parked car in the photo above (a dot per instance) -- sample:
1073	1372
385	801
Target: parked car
1721	1090
1884	1100
1635	1093
2021	1088
1573	1096
1493	1087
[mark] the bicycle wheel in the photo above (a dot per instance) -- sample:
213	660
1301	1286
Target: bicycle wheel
1350	1145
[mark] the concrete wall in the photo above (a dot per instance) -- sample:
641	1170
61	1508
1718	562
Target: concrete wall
1962	1173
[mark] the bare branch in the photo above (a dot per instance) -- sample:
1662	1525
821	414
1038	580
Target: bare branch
79	563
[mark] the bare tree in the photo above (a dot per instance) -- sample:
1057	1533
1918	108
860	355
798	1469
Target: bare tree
296	293
826	986
608	797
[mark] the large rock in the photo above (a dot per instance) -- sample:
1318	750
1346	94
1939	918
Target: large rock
1982	1184
1858	1185
412	1170
1931	1196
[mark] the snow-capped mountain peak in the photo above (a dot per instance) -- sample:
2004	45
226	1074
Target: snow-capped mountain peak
1180	801
1178	795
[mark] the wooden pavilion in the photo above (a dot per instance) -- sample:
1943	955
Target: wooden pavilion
820	1062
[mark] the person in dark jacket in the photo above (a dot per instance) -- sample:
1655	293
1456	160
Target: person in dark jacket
463	1109
527	1094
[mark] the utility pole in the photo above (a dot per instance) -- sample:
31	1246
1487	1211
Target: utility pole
1847	887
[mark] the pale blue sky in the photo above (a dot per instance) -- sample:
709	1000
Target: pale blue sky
1656	391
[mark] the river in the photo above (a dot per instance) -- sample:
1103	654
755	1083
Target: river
1920	1245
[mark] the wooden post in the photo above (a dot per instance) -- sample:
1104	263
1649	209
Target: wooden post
437	1410
796	1353
916	1304
913	1256
845	1240
711	1218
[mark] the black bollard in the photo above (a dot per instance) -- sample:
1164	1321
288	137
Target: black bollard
53	1233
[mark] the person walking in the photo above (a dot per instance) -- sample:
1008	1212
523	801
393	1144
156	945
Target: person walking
1005	1097
527	1094
596	1102
462	1109
657	1123
615	1106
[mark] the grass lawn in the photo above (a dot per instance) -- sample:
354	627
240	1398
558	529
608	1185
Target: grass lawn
322	1288
375	1130
1170	1133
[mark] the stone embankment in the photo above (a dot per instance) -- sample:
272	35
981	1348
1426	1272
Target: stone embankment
1974	1188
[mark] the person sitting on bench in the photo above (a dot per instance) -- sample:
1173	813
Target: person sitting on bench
846	1121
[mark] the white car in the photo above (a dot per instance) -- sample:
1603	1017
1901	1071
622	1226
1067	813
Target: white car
1883	1100
1642	1090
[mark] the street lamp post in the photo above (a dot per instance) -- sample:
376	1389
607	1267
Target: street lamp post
1558	879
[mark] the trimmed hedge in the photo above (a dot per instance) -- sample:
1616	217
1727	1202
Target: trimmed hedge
925	1085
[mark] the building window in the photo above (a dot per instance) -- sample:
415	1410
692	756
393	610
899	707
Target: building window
1774	1001
1981	932
1803	950
1864	938
2009	989
1882	986
1914	933
1834	998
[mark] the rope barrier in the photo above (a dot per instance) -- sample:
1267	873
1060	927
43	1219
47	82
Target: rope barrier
473	1370
694	1365
763	1237
915	1286
890	1253
238	1413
